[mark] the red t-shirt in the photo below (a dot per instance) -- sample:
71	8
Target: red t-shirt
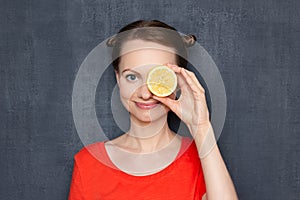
93	180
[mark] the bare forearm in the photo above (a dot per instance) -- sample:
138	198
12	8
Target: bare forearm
217	179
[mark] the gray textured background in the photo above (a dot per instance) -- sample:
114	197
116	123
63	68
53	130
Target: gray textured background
255	44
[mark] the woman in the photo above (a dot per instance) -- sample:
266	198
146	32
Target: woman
150	161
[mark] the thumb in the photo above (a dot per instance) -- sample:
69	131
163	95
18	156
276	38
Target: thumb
166	100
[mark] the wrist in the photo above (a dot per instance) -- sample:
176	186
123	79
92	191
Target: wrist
200	130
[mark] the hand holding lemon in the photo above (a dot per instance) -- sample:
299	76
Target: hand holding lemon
191	106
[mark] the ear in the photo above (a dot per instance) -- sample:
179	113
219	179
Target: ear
117	76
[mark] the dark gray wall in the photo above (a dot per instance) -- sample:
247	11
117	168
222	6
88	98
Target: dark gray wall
255	44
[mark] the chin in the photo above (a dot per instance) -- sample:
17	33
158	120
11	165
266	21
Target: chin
146	119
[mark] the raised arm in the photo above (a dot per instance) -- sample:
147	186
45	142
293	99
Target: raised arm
192	109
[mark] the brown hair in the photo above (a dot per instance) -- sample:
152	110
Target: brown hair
138	30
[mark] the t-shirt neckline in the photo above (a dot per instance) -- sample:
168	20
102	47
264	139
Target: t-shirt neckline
185	142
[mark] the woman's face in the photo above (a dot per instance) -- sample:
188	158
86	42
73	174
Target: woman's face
137	58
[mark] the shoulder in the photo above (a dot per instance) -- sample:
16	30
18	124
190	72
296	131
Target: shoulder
189	151
189	145
89	152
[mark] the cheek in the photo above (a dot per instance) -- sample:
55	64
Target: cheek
127	90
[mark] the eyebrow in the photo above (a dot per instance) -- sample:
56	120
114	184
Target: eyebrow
125	70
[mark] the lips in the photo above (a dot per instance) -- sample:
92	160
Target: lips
146	106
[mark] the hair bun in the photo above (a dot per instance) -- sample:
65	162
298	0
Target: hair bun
189	40
111	42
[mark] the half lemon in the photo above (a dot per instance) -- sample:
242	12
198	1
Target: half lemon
161	81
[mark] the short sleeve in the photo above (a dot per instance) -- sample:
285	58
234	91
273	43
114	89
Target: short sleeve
76	186
201	184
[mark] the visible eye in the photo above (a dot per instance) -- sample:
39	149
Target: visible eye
131	77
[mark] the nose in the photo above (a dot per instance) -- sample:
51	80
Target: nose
143	92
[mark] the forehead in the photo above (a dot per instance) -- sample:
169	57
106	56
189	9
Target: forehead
136	53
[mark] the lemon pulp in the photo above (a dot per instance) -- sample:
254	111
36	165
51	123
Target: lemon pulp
161	81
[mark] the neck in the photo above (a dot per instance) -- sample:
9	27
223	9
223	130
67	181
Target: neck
149	137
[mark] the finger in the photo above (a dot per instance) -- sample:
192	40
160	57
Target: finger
172	104
191	74
200	106
196	81
173	67
190	81
182	80
181	84
198	95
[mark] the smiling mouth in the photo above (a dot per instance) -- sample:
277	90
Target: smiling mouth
146	106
